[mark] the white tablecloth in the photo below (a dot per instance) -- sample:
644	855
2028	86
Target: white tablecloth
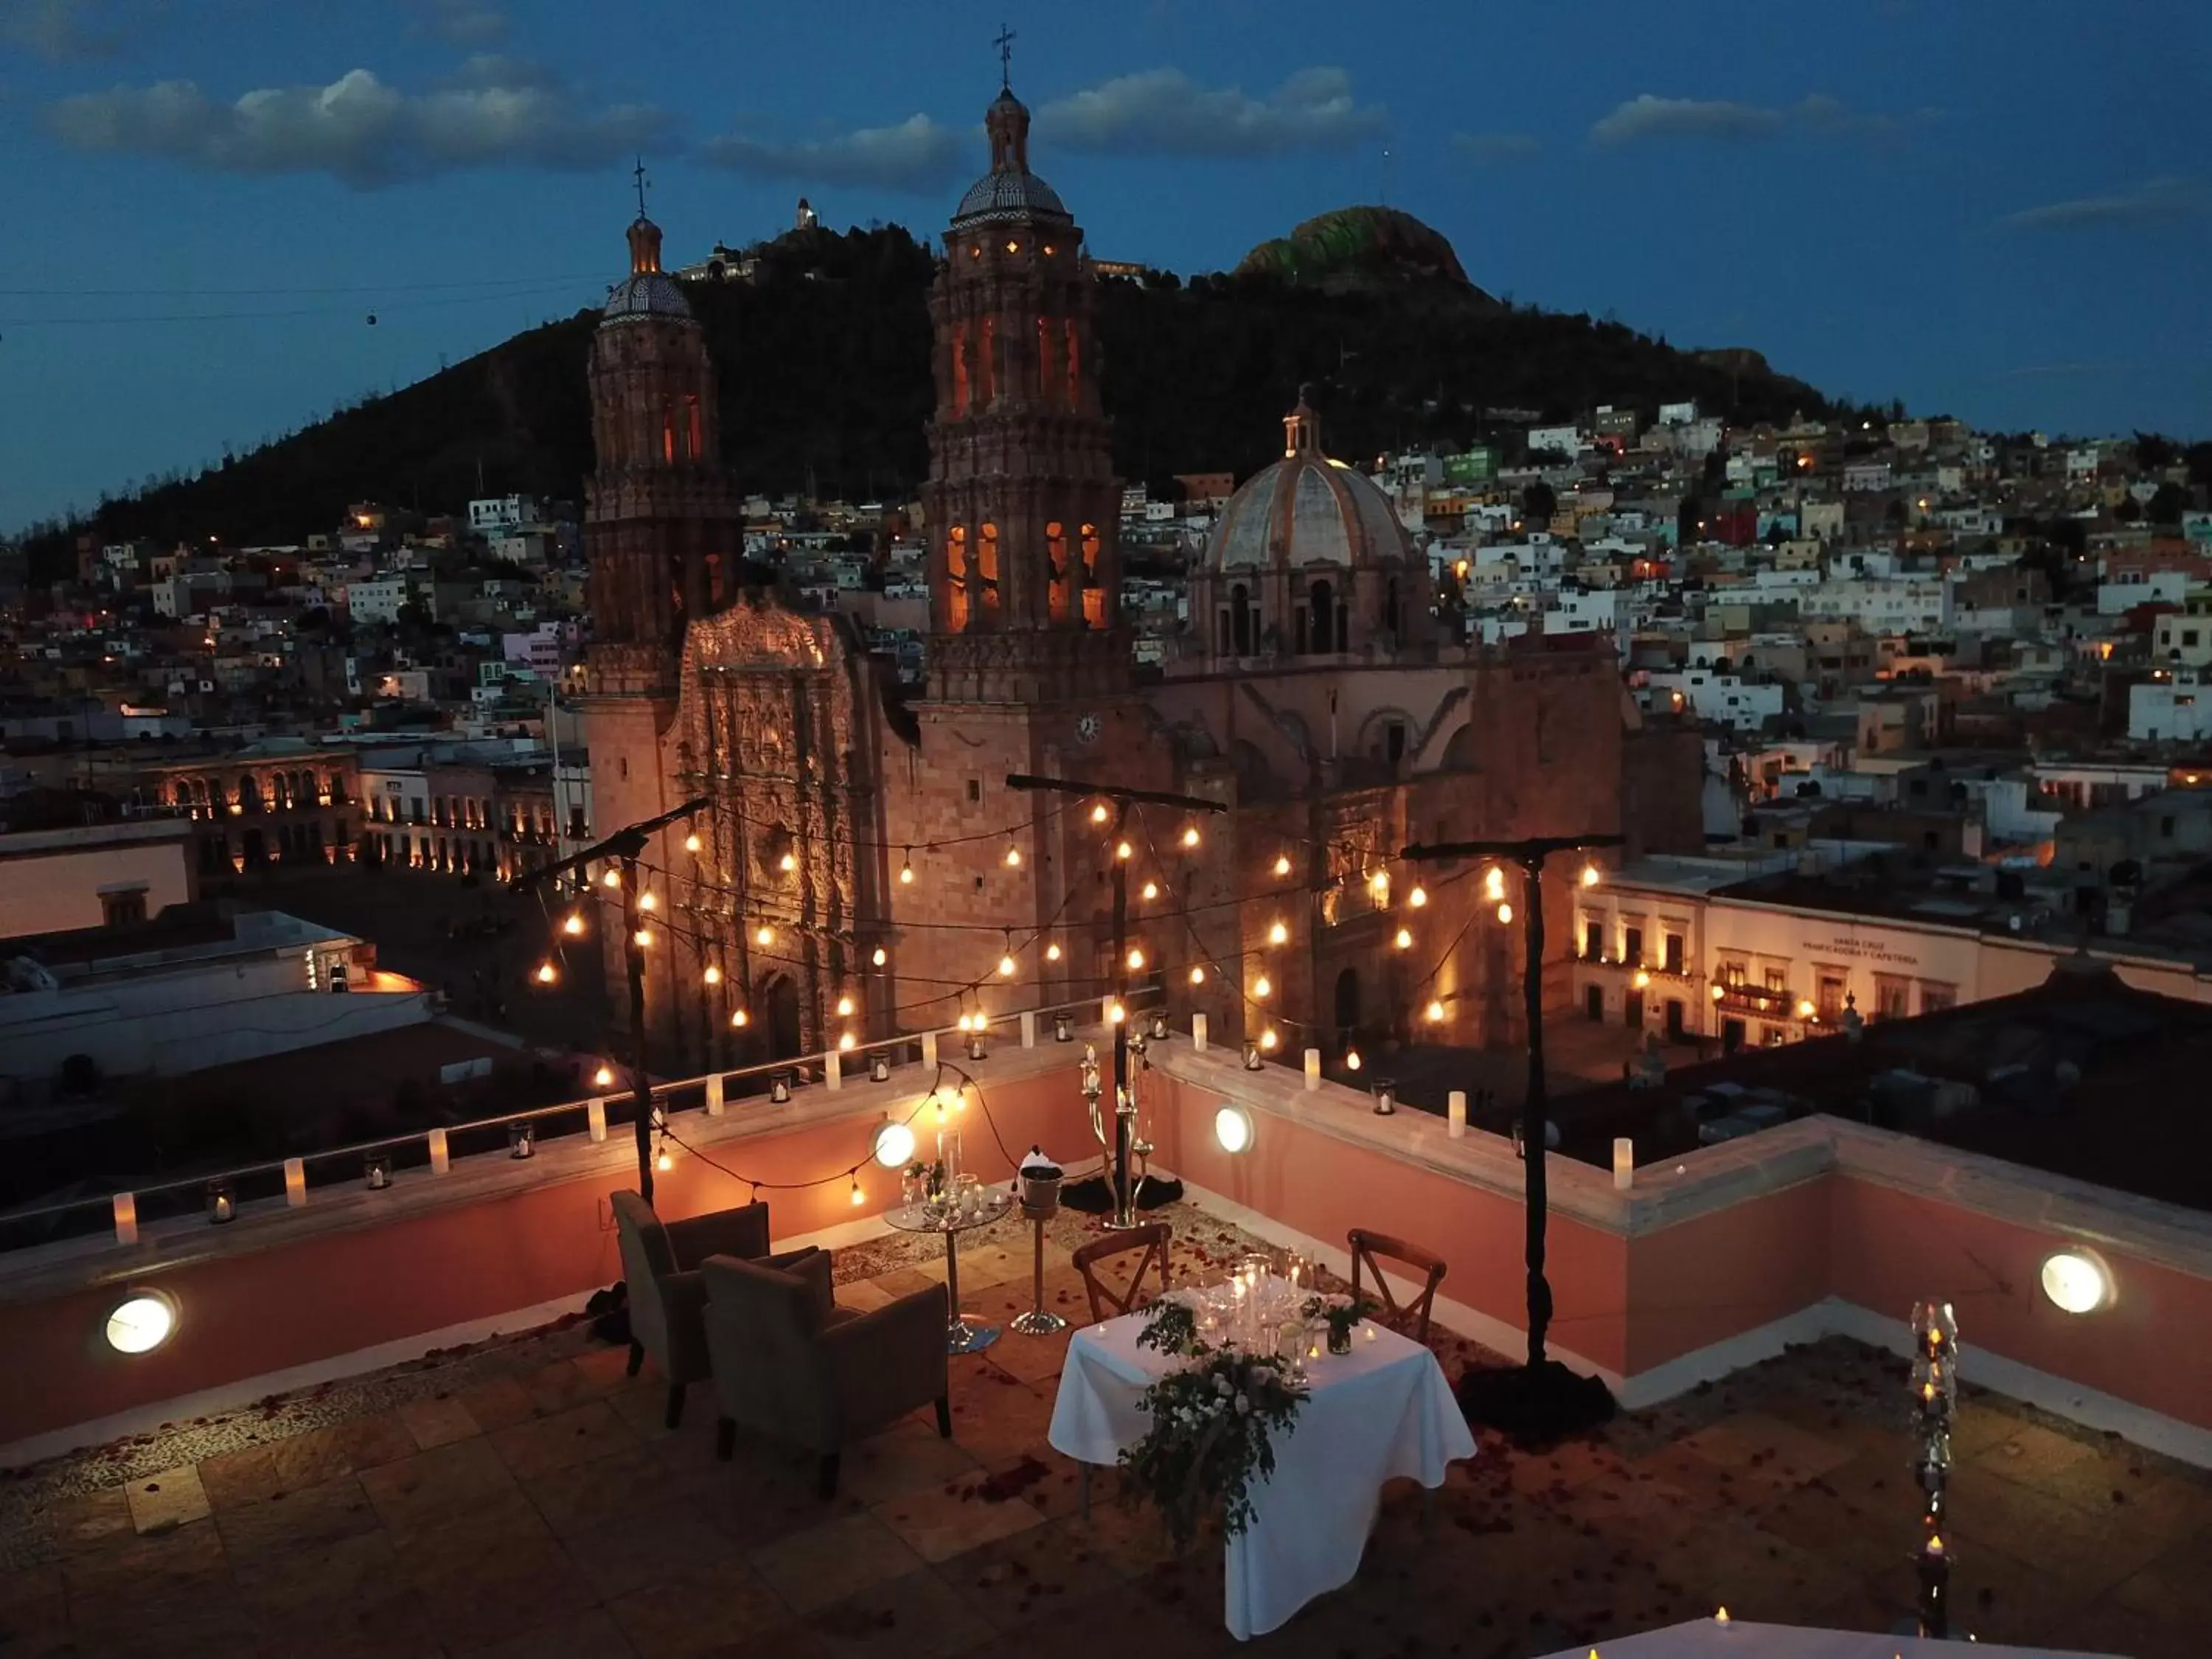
1382	1411
1705	1639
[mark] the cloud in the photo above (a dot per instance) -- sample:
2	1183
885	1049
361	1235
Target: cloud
58	30
1646	116
1817	114
495	114
2154	202
1496	149
1163	112
917	156
464	22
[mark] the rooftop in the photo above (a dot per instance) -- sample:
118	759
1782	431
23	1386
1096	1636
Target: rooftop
523	1496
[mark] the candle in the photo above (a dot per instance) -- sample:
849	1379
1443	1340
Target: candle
714	1094
595	1113
929	1050
441	1161
295	1182
1313	1070
1198	1033
1456	1113
1624	1162
126	1218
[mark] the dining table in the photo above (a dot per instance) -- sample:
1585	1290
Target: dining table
1378	1413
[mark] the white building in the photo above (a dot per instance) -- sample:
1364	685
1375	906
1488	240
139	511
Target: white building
1727	700
1891	605
499	513
2127	589
2173	708
376	601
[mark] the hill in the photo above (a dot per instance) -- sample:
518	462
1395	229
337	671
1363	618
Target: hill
825	374
1359	248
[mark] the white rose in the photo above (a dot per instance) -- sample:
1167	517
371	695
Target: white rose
1243	1405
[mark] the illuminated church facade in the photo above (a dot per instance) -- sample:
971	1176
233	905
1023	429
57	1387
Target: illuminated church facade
861	868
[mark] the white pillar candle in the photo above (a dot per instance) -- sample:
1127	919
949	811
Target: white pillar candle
126	1218
1624	1162
295	1182
441	1161
929	1049
1029	1028
595	1113
1198	1033
714	1094
1456	1113
833	1070
1313	1070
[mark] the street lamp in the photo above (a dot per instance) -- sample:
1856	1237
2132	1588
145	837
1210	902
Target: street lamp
1542	1400
1121	1195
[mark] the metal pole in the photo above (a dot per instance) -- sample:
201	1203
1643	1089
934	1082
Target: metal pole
1533	1125
640	1081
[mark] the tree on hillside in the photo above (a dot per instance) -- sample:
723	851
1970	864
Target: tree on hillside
1538	501
2168	506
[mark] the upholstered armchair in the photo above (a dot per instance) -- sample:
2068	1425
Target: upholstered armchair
788	1362
660	1267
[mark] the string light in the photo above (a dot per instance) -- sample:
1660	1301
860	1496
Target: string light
881	956
1279	934
547	973
613	877
1504	914
1590	877
1434	1013
1152	890
1122	851
1013	856
962	1021
1282	864
739	1019
1352	1060
1052	951
845	1042
1136	957
642	938
1099	814
1493	884
859	1197
906	865
713	975
648	900
938	1101
845	1007
1006	964
1380	881
1197	976
1190	834
665	1161
1268	1038
575	924
604	1078
1261	986
692	841
787	863
763	936
1404	938
1418	898
1114	1014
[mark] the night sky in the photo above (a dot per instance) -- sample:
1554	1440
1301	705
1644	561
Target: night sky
2000	212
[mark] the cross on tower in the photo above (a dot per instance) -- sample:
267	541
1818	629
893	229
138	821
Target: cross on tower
1004	43
638	173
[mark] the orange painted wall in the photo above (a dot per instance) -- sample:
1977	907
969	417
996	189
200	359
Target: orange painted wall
1323	1187
244	1315
2153	1346
1703	1281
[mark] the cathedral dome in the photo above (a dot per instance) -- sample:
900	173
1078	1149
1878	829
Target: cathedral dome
1009	193
648	291
1306	509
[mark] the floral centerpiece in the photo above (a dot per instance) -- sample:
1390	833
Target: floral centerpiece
1212	1419
1342	1315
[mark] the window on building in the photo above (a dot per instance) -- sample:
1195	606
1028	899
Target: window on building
1632	947
987	566
1670	952
1055	547
975	790
1777	979
1828	996
956	572
123	909
1935	996
1892	997
1593	937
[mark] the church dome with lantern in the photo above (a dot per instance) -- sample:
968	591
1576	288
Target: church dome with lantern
648	291
1009	193
1306	509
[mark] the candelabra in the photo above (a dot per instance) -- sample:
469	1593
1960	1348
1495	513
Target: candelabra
1935	1396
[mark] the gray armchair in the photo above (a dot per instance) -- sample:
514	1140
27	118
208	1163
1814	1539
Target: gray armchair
789	1362
661	1266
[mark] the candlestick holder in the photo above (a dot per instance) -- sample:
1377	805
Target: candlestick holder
1935	1396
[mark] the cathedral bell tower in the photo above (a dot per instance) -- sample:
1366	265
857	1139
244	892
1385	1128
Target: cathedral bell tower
662	530
1022	502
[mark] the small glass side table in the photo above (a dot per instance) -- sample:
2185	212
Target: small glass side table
961	1336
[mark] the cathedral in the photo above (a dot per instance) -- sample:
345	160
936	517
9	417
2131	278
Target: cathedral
860	867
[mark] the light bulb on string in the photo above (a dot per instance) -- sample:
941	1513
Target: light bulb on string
845	1006
845	1042
1115	1013
1590	877
1417	897
1261	986
1136	957
1122	851
1279	934
938	1101
763	936
574	926
1190	834
604	1078
906	865
1007	965
1282	864
1504	914
1013	856
787	863
1352	1060
642	938
1198	976
649	901
1099	814
613	877
547	973
739	1019
1493	884
692	841
1434	1013
1268	1038
664	1162
712	975
1403	939
881	956
1052	951
1150	891
1380	881
859	1197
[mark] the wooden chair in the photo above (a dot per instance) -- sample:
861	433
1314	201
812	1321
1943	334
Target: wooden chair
1409	1318
1105	1301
